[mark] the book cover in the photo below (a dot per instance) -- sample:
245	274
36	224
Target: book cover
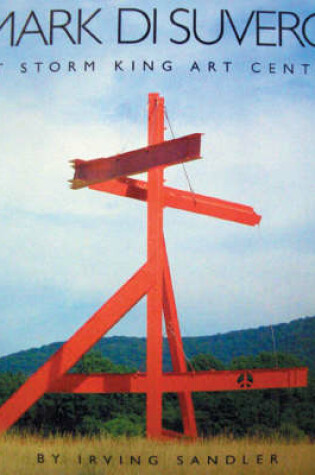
85	80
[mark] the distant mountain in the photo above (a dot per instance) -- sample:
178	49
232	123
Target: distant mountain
296	337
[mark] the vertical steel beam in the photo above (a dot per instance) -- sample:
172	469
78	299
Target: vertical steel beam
155	263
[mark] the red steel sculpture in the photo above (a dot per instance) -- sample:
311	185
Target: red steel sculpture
153	280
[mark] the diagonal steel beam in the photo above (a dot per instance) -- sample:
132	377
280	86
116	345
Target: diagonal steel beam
170	152
183	200
71	351
176	347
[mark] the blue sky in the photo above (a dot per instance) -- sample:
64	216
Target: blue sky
63	253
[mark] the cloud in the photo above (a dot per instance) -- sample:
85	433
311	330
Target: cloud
64	252
34	169
85	244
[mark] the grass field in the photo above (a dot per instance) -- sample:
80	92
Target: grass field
65	455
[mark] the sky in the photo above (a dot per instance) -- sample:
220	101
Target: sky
63	253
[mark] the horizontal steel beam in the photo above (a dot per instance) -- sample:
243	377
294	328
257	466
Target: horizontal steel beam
236	380
183	200
170	152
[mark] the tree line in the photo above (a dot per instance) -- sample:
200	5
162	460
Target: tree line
289	413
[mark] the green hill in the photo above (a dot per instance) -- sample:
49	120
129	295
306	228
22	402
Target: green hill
296	337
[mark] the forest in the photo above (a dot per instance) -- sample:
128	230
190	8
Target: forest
288	413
